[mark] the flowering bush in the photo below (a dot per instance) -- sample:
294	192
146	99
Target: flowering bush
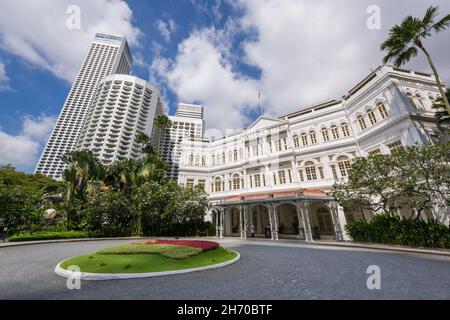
200	244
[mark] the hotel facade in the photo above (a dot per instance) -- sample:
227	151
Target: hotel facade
275	176
108	54
122	108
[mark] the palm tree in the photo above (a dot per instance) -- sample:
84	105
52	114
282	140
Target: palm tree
83	169
442	115
404	39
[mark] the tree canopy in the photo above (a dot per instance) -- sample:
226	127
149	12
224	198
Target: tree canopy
416	178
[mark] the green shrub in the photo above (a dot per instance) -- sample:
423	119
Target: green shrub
50	235
110	213
389	229
185	229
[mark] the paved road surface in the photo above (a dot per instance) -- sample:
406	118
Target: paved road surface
267	270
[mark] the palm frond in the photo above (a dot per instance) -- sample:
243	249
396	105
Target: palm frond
405	56
430	15
400	39
442	24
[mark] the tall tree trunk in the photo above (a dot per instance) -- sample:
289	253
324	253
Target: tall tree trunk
441	89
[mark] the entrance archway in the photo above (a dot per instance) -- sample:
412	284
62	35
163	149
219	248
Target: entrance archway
288	224
323	223
259	217
235	220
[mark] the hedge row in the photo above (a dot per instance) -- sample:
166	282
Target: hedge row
186	229
50	235
389	229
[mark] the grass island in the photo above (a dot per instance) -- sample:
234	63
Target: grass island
152	256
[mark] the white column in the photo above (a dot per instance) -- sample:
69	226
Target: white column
294	171
270	221
245	221
306	221
275	219
222	216
241	222
336	223
301	221
217	214
342	222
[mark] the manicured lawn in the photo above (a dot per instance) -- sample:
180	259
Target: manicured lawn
166	250
146	262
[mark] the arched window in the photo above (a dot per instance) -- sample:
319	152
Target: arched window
296	141
312	137
223	157
191	159
382	110
218	185
362	122
235	154
197	160
371	117
310	170
325	134
335	132
203	161
344	165
213	160
236	182
345	130
304	139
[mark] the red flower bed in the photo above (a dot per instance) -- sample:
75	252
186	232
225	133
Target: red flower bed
201	244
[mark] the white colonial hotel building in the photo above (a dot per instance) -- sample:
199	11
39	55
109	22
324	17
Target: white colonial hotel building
277	174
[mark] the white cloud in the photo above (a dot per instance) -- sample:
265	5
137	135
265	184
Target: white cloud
17	150
307	52
166	28
200	74
22	150
37	31
38	129
4	79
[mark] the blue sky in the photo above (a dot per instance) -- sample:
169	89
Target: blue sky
220	53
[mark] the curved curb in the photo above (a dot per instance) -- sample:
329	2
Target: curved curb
114	276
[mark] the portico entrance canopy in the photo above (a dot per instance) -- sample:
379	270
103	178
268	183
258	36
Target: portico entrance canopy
305	213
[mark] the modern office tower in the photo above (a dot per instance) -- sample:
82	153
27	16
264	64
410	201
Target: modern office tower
187	122
122	107
107	55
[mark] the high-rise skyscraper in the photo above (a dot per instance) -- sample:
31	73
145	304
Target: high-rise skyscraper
122	107
107	55
187	122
